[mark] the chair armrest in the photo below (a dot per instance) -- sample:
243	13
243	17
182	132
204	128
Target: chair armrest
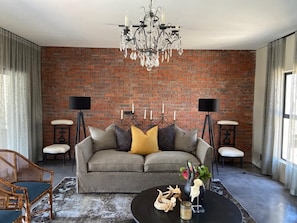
22	193
83	152
30	171
204	152
10	200
12	188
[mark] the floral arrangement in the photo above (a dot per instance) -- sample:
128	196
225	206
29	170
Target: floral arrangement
200	172
196	177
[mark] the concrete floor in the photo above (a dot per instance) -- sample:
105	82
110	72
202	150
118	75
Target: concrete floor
266	200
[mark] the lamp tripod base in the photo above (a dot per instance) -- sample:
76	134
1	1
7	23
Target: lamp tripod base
80	122
208	123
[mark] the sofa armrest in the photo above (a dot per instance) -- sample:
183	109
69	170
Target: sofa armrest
204	152
83	152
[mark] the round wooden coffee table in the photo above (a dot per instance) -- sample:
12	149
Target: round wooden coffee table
217	209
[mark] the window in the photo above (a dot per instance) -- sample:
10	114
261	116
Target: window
286	115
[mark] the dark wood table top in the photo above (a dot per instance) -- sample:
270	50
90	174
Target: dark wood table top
217	209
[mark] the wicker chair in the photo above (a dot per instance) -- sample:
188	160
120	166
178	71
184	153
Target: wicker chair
11	205
18	174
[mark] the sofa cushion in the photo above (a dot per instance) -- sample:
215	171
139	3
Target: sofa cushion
166	137
115	161
124	139
185	140
168	161
103	139
144	143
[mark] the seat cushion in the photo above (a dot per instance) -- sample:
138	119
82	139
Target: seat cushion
168	161
56	148
227	122
230	152
34	188
103	139
185	140
62	122
9	215
144	143
113	160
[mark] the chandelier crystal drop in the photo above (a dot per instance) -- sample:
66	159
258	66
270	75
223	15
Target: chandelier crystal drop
152	40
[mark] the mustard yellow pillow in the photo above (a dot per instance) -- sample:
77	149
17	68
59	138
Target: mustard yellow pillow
144	143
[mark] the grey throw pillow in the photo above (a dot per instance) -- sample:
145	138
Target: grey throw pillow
124	139
166	138
185	140
103	139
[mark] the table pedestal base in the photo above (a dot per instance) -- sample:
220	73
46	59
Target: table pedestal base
198	209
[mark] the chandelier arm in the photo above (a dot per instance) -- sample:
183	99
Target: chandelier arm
138	31
166	40
150	38
155	39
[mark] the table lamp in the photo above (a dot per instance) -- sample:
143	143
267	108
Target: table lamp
80	103
209	105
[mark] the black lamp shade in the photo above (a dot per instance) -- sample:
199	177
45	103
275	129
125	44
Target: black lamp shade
208	104
80	103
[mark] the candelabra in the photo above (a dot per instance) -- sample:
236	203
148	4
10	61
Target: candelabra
134	119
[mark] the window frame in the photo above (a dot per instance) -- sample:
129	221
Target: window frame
285	116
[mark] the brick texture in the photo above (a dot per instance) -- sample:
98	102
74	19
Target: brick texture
114	83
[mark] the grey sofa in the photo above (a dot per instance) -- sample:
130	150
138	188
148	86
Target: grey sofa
105	166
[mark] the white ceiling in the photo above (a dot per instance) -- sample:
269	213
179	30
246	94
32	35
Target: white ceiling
206	24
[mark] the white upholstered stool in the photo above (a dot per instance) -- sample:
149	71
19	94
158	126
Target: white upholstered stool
227	136
61	143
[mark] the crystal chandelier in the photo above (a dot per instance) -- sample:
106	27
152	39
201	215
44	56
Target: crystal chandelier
151	39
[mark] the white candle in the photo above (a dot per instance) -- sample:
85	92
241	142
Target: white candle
162	18
163	108
174	115
126	20
122	114
144	115
151	115
132	108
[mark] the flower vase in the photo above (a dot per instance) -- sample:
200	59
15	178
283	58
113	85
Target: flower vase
202	194
197	205
190	180
187	189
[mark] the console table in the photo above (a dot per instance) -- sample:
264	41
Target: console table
217	209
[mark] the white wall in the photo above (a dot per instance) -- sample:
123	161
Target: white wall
259	102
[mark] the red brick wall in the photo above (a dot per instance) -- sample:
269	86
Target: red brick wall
114	82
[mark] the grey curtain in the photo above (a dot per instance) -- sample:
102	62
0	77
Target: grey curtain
272	142
20	92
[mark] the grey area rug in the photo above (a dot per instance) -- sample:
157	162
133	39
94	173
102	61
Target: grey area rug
103	208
